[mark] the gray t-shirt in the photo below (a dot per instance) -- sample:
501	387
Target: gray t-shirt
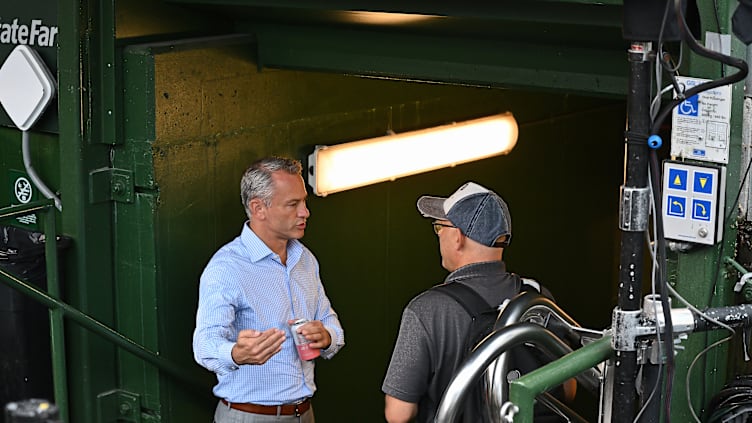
429	345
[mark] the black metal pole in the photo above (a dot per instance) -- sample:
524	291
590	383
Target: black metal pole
651	394
634	219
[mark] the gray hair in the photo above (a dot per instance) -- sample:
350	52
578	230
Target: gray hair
257	179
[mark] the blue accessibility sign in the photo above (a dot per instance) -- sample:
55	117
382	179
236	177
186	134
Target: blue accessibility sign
689	107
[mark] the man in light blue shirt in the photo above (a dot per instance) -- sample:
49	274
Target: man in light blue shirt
250	290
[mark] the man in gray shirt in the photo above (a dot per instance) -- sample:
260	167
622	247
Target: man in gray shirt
473	227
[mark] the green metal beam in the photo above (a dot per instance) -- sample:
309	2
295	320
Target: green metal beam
522	392
85	30
466	8
445	58
560	45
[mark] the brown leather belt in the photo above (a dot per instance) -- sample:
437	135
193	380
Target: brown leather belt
272	410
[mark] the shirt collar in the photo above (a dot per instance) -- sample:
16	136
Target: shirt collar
489	268
258	250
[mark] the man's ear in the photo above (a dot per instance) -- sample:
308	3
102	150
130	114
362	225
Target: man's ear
458	239
257	208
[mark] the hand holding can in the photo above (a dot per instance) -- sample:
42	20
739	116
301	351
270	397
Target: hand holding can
303	345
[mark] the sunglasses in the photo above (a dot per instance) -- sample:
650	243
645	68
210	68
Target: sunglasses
438	226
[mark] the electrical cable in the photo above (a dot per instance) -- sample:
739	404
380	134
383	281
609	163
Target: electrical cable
705	52
35	179
658	67
733	401
660	55
659	251
675	69
661	254
715	14
671	74
655	104
651	248
657	99
704	351
718	26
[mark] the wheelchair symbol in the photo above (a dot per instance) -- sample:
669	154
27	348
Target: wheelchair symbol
689	106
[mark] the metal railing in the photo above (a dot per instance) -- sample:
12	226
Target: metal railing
58	309
522	392
527	319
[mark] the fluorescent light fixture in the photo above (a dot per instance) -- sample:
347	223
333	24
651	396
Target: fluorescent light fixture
381	18
355	164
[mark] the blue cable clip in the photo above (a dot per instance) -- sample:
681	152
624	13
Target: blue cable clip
655	142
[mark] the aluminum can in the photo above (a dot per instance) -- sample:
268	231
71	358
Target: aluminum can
303	346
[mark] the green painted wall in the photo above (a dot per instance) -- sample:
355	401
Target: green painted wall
43	149
198	112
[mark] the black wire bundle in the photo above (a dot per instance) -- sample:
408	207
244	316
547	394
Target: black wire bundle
705	52
733	403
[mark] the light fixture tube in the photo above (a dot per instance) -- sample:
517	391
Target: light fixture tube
355	164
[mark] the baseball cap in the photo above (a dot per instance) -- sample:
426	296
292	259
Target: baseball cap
478	212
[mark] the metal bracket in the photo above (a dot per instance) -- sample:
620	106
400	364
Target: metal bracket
631	326
682	319
109	184
634	209
119	406
625	325
653	352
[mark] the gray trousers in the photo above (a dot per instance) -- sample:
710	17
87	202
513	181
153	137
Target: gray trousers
225	414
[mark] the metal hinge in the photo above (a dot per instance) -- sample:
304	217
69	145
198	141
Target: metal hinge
119	406
109	184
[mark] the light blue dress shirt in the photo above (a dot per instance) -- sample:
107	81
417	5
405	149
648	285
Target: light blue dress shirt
246	286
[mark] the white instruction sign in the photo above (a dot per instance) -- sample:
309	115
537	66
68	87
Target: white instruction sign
701	123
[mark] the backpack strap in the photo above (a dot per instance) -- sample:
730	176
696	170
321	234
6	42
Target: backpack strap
473	302
527	284
530	285
467	297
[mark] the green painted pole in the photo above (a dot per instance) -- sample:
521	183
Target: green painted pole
57	330
522	392
735	265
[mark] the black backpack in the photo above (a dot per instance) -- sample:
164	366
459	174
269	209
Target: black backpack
483	319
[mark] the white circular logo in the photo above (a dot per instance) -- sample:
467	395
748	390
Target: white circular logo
23	190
